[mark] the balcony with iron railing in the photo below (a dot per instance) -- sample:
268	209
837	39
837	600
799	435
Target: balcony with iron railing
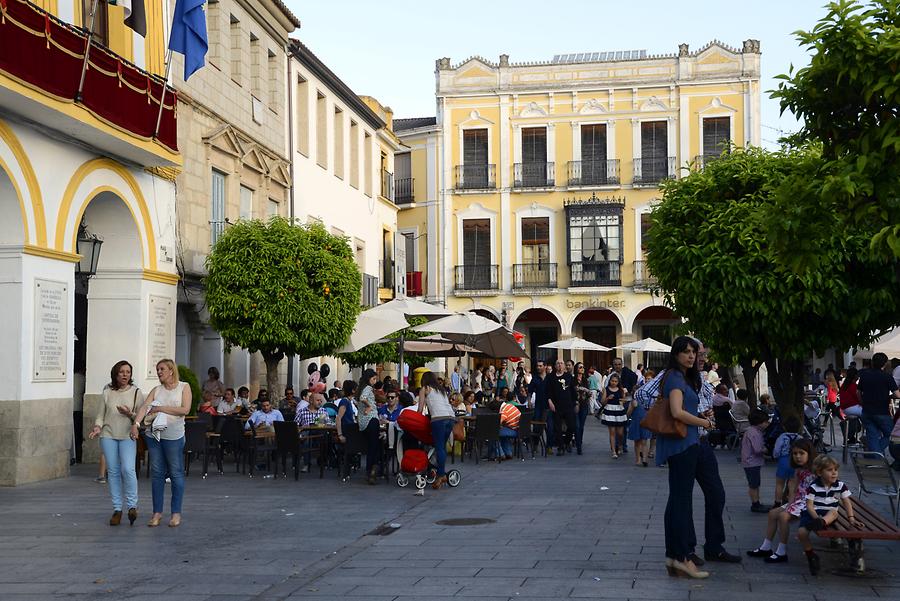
649	172
469	278
531	276
476	177
387	185
115	107
595	273
403	190
534	175
642	276
594	173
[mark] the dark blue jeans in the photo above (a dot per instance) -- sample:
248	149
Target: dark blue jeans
440	432
878	431
166	459
580	418
698	463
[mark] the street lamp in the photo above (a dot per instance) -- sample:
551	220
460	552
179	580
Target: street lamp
89	249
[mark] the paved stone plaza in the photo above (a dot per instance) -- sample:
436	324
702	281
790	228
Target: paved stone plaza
579	527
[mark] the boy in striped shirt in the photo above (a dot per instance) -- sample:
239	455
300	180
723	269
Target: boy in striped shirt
825	495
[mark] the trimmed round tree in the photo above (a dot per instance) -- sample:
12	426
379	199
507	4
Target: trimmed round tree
282	289
708	248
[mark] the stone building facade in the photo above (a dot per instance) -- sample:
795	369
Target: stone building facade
232	125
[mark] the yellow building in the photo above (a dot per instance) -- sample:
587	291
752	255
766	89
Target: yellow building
539	177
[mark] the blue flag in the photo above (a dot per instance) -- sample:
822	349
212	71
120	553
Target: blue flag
188	35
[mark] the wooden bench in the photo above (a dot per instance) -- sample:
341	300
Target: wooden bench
874	527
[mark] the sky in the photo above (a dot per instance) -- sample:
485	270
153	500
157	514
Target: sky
387	49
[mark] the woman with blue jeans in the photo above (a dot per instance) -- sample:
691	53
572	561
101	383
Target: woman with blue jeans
167	404
442	419
680	388
118	408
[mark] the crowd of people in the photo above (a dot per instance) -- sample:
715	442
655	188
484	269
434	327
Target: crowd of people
560	397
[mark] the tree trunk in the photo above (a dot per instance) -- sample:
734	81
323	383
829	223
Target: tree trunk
786	378
272	384
749	370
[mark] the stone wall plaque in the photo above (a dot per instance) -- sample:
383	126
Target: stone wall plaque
159	328
51	331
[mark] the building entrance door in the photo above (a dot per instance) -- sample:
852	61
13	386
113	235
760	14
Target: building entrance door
604	335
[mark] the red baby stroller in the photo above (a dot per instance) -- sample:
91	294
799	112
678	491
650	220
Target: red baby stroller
415	462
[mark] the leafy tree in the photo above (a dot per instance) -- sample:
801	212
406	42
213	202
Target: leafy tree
707	247
282	289
186	374
849	100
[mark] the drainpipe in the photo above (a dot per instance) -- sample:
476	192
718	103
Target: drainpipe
290	138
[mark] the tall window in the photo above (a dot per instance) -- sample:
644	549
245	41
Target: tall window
409	240
367	163
236	52
101	20
273	208
645	227
354	154
256	78
339	142
654	150
246	208
475	158
535	240
476	242
302	116
533	170
593	155
214	31
595	243
274	80
321	130
403	182
716	134
217	218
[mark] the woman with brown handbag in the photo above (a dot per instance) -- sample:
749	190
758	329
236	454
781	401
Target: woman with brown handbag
679	390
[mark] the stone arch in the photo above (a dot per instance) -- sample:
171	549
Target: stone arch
485	311
92	179
619	318
636	315
17	166
560	321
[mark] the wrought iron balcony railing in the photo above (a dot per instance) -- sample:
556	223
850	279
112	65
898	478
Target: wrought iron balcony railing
594	173
642	276
403	190
534	175
653	170
595	273
534	275
476	177
477	277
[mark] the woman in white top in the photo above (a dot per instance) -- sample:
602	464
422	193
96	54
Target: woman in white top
118	408
442	419
167	404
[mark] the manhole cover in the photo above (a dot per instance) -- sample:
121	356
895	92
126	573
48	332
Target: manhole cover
465	522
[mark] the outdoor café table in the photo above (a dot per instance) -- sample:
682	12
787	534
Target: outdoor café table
325	434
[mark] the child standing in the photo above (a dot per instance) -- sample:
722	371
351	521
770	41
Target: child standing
782	453
825	494
614	413
753	447
640	436
802	457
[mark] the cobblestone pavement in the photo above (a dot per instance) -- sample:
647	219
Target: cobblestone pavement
564	527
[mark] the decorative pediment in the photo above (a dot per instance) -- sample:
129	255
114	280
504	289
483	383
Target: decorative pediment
475	71
225	139
534	210
653	104
475	211
533	110
717	106
255	160
279	173
593	107
475	118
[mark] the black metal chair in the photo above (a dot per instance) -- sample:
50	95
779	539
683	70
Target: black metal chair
355	445
523	434
287	442
195	444
487	430
231	438
537	437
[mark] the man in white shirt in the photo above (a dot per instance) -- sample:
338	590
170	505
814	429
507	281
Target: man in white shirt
265	416
229	405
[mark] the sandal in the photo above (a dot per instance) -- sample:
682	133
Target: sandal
439	482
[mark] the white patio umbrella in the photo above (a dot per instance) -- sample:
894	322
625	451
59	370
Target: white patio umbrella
647	345
481	333
371	326
575	344
413	308
889	343
437	346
